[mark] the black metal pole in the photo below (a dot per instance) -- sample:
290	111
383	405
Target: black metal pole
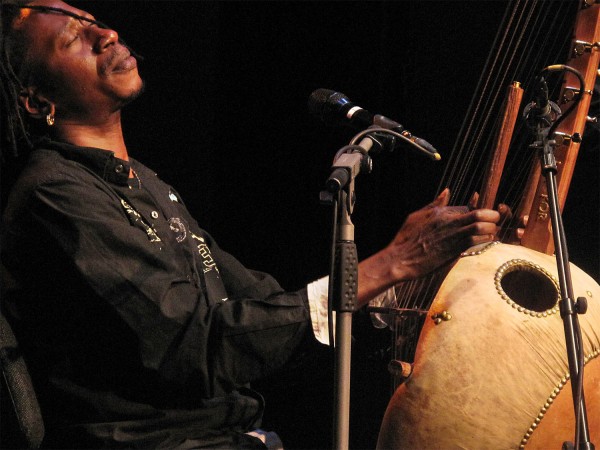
344	288
569	309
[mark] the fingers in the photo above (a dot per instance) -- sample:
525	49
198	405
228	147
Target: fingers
471	236
486	215
486	229
478	215
476	240
504	211
474	232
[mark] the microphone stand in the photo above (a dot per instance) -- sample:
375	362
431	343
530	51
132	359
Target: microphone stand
343	284
343	277
569	309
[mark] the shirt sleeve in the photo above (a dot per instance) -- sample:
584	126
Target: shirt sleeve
318	305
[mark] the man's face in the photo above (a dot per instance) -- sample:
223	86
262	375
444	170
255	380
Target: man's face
80	67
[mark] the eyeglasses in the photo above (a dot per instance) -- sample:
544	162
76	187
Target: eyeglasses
51	9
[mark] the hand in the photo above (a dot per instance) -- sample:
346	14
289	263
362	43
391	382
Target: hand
438	233
428	239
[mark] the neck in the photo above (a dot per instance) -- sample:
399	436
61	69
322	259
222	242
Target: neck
107	135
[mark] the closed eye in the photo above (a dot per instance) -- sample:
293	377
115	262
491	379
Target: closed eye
72	41
90	19
82	22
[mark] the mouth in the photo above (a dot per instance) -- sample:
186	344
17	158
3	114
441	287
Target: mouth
119	61
126	64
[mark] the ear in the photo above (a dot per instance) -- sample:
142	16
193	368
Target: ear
37	105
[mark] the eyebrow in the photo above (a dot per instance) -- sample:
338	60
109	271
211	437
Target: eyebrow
50	9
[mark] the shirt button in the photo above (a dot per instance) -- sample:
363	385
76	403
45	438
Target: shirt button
119	168
154	215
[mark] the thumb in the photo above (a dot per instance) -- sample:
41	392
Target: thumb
443	199
473	201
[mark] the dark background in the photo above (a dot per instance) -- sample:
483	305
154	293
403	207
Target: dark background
224	120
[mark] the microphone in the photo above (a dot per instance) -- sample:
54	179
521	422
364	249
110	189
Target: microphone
541	98
542	110
334	108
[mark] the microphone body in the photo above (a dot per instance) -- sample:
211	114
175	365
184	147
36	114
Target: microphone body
334	108
542	110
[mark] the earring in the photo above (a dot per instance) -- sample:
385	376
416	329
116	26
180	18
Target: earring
50	119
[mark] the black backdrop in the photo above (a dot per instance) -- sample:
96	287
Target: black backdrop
224	119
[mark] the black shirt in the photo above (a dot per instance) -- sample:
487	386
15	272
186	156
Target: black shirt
139	330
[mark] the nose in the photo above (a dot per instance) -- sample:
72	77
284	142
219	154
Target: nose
104	38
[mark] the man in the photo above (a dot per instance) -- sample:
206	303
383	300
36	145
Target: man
139	330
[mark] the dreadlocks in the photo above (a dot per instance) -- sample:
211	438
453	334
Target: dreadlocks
14	132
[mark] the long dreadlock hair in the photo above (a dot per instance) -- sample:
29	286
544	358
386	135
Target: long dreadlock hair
14	131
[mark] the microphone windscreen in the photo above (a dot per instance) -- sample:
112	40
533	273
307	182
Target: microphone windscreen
326	104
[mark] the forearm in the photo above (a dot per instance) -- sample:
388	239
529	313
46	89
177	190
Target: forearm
377	274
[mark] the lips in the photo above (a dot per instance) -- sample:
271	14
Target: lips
119	60
125	64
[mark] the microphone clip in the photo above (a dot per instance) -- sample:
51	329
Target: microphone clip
383	142
348	163
541	117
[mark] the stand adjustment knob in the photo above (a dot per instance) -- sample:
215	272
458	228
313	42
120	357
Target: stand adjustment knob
581	305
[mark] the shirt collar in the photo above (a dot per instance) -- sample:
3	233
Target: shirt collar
103	163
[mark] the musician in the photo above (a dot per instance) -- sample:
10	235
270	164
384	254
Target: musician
138	329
